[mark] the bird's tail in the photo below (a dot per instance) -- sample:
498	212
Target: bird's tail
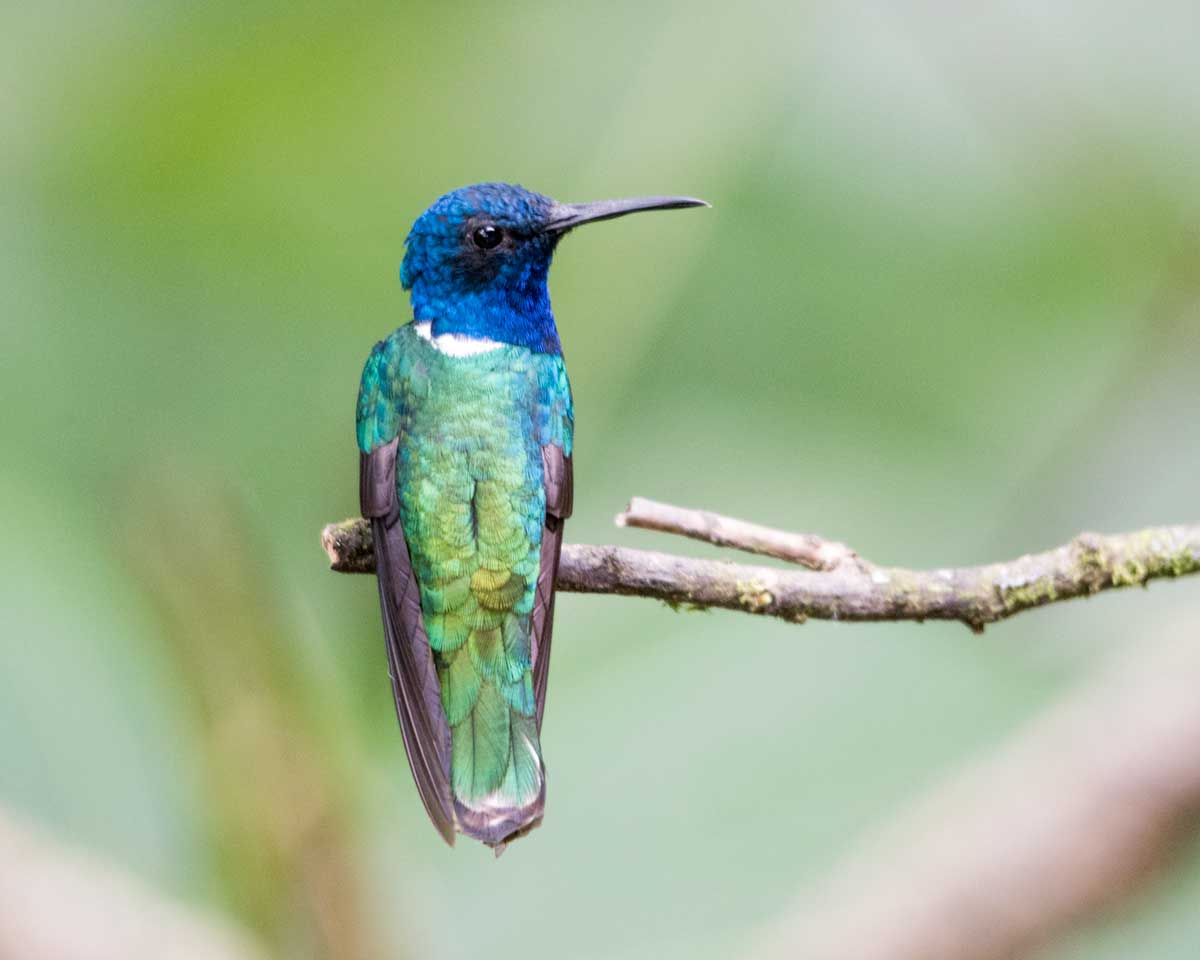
516	806
497	778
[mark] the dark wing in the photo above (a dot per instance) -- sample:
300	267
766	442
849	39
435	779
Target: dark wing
560	484
410	662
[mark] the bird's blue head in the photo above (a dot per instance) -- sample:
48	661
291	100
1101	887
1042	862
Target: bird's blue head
478	259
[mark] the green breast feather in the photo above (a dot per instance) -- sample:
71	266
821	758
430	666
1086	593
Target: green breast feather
469	476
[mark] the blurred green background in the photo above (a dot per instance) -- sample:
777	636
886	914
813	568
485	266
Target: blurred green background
944	308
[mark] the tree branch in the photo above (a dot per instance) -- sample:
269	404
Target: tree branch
849	588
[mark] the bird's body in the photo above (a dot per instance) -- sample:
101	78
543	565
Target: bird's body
465	427
472	503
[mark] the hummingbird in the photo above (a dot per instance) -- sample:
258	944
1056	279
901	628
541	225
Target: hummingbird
465	428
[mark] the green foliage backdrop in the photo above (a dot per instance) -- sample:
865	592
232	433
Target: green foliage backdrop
943	309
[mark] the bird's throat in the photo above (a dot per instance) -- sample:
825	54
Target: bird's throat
519	314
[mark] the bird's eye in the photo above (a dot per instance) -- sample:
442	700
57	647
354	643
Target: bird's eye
487	236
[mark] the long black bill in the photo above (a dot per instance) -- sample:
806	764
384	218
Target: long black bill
568	215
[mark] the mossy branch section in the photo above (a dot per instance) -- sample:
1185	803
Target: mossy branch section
975	596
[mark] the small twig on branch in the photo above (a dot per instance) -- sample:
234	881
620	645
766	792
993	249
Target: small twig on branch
807	549
856	591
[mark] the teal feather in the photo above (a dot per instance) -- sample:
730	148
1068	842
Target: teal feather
472	503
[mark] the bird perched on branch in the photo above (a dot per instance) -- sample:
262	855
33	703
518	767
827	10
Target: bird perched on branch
465	429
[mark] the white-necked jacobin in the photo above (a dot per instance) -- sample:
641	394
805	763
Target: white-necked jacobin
465	428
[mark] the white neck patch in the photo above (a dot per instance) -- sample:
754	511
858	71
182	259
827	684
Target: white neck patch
456	344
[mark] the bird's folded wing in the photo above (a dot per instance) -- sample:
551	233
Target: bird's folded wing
410	661
559	480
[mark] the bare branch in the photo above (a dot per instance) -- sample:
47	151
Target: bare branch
1075	815
857	591
807	549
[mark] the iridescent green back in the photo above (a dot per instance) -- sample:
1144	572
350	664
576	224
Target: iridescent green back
469	475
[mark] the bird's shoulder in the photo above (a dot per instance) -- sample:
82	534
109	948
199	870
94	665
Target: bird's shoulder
376	414
405	359
554	411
